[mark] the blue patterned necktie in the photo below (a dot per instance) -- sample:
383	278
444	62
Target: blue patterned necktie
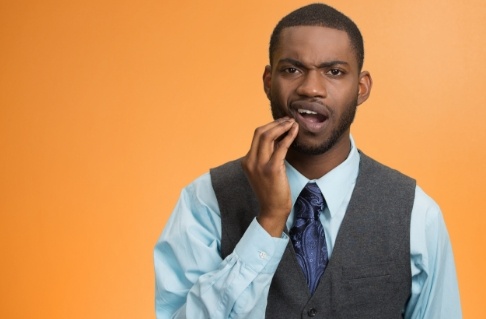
307	234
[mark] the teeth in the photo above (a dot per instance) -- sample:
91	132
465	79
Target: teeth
302	111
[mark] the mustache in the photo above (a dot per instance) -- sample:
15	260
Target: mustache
309	100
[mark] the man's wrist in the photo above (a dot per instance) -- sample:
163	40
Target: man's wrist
274	226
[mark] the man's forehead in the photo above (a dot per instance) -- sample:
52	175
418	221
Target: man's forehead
314	40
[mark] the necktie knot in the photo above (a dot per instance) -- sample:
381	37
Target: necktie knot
310	202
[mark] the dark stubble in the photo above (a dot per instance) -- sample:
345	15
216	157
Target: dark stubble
342	127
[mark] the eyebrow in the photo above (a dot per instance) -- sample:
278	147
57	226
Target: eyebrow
320	66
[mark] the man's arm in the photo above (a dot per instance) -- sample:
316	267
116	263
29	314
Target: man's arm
192	281
435	292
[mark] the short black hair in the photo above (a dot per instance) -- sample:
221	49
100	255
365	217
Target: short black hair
319	14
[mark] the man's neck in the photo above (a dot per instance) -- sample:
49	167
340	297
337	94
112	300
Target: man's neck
316	166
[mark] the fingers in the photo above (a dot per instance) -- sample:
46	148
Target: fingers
265	169
266	139
261	134
280	152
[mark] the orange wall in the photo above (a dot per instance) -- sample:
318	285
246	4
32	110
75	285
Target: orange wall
108	108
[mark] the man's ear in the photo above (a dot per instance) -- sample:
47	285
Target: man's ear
267	80
364	86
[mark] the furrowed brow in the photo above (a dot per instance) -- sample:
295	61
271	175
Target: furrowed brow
323	65
293	62
331	64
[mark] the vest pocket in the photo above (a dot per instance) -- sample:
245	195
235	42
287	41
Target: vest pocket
367	271
366	291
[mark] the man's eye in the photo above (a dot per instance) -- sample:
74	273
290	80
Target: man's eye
335	72
291	70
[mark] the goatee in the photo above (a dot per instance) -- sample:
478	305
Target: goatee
343	124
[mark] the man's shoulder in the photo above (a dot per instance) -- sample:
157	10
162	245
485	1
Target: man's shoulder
370	165
225	170
219	177
230	166
422	201
229	178
229	172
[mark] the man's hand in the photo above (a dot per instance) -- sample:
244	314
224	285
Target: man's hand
265	168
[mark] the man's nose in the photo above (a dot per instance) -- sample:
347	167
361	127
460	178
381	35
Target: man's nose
312	85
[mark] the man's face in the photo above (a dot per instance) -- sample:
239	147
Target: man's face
315	80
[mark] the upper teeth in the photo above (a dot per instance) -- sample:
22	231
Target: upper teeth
306	111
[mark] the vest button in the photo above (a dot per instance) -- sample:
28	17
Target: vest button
312	312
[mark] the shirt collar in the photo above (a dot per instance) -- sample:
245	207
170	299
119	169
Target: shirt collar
334	185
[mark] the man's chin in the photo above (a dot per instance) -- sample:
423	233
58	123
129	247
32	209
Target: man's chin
308	148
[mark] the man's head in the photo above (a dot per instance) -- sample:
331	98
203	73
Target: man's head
315	77
319	14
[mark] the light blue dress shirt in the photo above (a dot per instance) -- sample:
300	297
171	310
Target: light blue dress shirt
192	281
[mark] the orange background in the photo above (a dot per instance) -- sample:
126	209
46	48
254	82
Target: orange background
108	108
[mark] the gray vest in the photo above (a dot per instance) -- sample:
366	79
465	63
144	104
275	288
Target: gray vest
368	275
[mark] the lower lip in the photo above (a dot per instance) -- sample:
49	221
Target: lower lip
308	124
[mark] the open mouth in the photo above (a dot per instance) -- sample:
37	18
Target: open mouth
311	116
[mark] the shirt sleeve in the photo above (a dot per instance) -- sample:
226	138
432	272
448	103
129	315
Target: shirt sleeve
435	292
192	280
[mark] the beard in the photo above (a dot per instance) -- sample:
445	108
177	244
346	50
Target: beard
343	124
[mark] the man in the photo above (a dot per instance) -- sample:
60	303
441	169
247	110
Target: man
305	225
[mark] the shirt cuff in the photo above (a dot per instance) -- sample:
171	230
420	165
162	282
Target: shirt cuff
260	251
